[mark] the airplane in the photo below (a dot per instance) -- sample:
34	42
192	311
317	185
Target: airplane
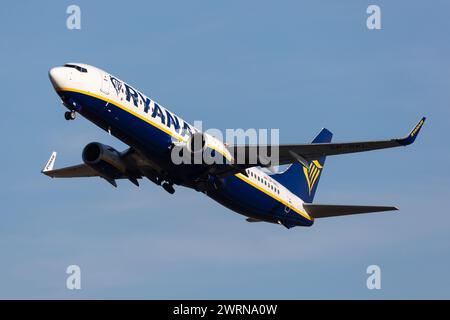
152	132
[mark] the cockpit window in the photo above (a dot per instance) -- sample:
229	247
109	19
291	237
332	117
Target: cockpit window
81	69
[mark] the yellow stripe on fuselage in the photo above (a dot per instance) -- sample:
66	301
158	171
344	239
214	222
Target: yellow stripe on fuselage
155	124
166	130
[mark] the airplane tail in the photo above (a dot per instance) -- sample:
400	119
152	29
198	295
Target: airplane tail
300	180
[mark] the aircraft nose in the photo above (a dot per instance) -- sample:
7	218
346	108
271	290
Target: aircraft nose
57	77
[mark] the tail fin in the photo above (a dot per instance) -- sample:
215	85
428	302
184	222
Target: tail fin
300	180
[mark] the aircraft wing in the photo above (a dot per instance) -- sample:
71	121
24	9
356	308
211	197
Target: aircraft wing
331	210
77	171
289	153
136	168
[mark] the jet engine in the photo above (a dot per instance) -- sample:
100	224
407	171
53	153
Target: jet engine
104	159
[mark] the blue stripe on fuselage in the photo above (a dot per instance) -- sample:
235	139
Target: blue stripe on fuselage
235	194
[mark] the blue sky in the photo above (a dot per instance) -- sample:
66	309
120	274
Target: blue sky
296	66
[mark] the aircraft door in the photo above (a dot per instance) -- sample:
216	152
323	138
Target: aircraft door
105	84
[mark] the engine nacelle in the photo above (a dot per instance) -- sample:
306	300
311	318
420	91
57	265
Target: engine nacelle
104	159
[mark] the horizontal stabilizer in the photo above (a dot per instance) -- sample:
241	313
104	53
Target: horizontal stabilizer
332	210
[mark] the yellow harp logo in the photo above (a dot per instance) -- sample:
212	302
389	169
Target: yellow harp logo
312	174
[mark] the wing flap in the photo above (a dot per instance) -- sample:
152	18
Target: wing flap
332	210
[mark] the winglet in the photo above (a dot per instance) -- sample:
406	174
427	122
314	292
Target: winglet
411	137
50	163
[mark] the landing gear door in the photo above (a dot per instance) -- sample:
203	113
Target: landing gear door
105	84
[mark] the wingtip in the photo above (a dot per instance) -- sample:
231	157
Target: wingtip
411	137
50	163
